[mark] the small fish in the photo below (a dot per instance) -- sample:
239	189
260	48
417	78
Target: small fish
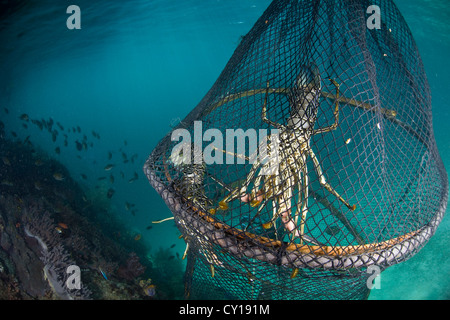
109	167
6	110
171	257
137	237
54	135
79	145
149	228
58	150
58	176
128	205
109	155
60	126
101	178
24	125
348	141
63	225
24	117
37	185
7	183
14	134
110	193
111	179
103	274
6	161
78	129
172	246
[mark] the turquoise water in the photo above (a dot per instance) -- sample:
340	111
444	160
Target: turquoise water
135	69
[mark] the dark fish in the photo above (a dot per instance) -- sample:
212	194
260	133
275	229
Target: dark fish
101	178
6	110
109	155
122	174
24	125
14	134
133	212
38	123
60	126
66	143
110	193
124	155
24	116
54	135
57	150
84	145
79	145
171	257
108	167
78	129
178	255
111	179
172	246
149	228
83	176
125	142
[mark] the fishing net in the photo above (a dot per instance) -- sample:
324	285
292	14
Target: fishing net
311	160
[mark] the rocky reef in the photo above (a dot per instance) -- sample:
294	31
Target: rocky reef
48	228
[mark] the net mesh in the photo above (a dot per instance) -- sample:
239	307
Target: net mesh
311	159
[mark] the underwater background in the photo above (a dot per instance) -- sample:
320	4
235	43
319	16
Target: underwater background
132	72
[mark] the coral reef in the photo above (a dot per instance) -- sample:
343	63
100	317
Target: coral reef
46	225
